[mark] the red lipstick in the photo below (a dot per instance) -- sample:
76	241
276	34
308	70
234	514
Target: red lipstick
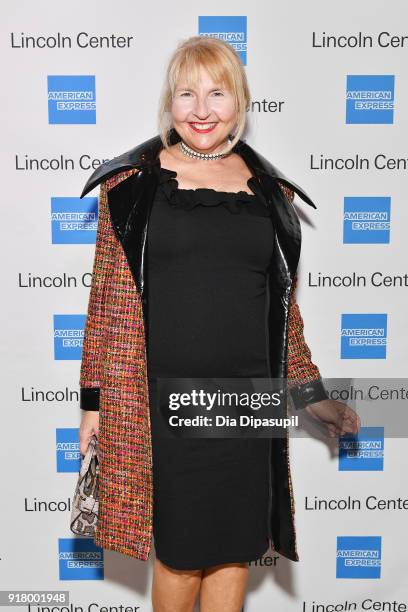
201	130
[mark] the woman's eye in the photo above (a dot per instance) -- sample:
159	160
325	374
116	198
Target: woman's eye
218	93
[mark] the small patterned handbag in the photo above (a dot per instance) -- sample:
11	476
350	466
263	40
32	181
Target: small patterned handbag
84	514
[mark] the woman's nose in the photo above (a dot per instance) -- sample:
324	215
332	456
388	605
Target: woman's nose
201	108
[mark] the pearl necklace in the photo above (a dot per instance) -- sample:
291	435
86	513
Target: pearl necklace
197	155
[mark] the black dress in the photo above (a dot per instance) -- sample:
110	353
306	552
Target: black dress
207	256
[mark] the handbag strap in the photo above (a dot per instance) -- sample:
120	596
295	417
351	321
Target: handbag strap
91	450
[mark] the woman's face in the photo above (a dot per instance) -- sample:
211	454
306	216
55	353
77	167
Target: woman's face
203	117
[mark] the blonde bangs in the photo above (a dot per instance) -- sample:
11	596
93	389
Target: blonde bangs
189	66
223	65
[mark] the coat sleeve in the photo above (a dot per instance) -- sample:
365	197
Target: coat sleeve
304	380
104	260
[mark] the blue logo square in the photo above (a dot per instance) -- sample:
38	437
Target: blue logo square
230	28
80	559
68	336
68	454
367	220
370	98
74	221
358	557
363	336
363	451
71	99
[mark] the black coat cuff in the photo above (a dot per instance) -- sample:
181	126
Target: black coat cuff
89	399
308	393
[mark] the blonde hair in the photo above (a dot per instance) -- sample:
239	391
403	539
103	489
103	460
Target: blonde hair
224	66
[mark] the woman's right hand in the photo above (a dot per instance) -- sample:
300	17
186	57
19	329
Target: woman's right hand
89	427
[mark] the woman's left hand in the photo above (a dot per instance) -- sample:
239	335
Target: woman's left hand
338	417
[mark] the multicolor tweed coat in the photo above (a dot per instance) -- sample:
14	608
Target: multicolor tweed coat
113	377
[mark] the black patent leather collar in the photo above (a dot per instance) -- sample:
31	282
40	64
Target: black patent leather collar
146	154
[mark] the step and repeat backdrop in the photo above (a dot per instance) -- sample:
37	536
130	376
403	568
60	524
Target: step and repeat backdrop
329	85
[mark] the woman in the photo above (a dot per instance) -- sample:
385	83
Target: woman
197	241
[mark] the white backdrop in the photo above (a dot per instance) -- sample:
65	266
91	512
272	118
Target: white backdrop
40	432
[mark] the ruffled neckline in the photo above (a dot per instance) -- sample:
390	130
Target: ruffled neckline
236	202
